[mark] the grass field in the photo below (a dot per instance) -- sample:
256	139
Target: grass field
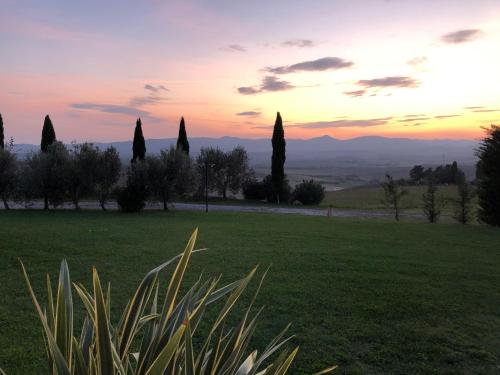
374	297
371	198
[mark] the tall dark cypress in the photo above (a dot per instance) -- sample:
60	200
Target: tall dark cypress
278	158
139	145
48	134
488	177
182	140
2	143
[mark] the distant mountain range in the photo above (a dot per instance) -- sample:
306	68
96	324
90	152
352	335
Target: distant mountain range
327	158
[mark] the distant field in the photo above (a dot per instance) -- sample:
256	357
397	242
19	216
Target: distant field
374	297
372	198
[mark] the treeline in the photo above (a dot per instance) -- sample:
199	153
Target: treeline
486	186
57	173
448	174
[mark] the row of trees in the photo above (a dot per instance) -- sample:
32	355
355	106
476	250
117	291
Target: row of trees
486	186
432	201
57	173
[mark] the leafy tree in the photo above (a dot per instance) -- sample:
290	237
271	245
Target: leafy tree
227	171
464	203
48	134
236	171
2	137
8	175
488	177
170	175
417	174
84	160
48	173
432	202
132	198
107	174
139	145
394	192
278	159
210	165
309	192
182	141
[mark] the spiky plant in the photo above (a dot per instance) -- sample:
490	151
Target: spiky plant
152	338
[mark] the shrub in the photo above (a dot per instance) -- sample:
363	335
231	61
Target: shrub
163	333
255	190
309	192
132	198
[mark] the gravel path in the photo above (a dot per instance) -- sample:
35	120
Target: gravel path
91	205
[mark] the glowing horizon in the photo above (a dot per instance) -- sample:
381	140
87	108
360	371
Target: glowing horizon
343	69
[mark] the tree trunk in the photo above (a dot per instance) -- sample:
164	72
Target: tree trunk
165	201
75	201
45	202
102	201
6	204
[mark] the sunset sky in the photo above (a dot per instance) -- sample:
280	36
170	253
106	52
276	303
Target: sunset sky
419	69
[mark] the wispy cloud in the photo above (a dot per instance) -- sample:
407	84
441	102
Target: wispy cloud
440	117
269	84
485	110
234	48
419	60
300	43
412	119
248	90
154	96
355	93
394	81
325	63
139	101
249	113
415	115
110	108
347	123
154	88
474	107
461	36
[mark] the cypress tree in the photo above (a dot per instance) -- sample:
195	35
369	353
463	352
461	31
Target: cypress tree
182	141
2	144
48	134
139	145
278	158
488	177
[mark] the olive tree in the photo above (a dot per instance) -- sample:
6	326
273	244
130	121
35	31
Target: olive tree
8	169
47	172
227	171
84	161
107	174
170	175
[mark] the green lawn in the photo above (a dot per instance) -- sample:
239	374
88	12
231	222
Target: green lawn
371	198
374	297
